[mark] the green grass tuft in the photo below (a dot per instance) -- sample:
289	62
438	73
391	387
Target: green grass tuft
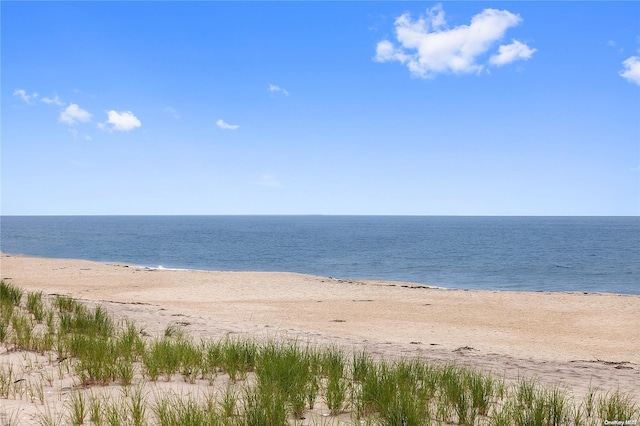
275	382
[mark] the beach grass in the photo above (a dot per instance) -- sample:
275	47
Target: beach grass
112	374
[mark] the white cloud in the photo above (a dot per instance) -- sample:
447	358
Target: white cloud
631	69
512	52
278	90
53	101
224	126
123	121
386	52
22	94
73	114
427	46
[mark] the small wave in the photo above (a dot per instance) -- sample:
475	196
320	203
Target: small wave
162	268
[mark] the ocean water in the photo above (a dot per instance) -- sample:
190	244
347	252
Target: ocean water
584	254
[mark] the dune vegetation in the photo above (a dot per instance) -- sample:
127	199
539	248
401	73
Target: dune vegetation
65	363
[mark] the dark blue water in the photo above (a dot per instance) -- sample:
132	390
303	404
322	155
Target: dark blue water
590	254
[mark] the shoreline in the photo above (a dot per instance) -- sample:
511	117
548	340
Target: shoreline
382	281
571	339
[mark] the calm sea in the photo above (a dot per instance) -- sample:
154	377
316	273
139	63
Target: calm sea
587	254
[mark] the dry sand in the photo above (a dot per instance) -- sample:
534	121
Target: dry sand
570	339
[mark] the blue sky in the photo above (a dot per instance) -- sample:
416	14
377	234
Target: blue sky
423	108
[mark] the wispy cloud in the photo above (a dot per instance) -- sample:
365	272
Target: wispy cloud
225	126
122	121
74	114
22	94
631	69
53	101
277	90
427	46
172	111
268	180
612	44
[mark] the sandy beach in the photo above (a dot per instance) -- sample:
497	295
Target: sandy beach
574	340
